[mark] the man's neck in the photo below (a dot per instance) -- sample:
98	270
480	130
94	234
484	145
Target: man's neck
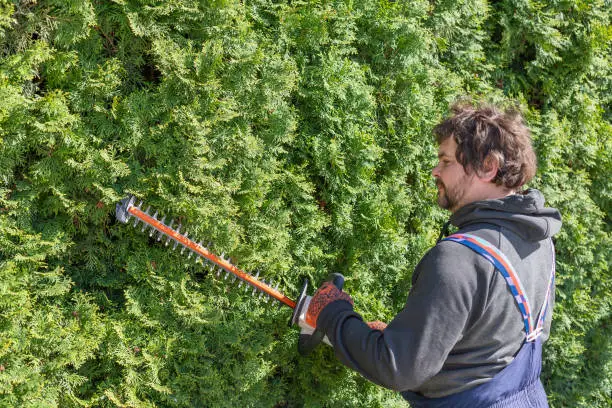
484	191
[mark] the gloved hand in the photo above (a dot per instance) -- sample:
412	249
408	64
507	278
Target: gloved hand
308	309
326	294
377	325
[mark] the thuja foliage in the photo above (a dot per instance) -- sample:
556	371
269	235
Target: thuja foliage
295	136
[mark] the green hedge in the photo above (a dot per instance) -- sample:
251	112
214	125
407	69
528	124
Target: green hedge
296	136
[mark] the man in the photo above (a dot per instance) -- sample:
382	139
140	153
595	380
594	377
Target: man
480	305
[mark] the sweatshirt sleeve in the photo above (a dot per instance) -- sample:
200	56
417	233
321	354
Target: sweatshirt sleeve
415	344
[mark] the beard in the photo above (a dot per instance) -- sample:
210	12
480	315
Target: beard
450	198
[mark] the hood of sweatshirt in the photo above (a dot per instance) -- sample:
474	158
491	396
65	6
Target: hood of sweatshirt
523	213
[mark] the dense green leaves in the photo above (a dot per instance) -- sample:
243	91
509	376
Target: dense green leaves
295	136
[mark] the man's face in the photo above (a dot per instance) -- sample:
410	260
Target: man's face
452	180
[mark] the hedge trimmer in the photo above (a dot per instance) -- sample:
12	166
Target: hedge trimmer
166	234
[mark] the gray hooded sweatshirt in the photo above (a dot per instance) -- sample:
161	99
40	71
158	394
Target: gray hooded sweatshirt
460	325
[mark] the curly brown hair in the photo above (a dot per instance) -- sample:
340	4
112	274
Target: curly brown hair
486	133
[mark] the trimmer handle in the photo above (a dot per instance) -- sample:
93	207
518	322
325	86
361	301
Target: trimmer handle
337	279
308	342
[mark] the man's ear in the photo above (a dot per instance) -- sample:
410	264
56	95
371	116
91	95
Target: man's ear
490	168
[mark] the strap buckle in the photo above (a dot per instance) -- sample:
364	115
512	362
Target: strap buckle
534	334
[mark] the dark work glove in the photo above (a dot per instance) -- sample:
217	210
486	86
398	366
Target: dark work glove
326	294
377	325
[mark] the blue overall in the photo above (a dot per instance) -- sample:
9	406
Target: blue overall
518	385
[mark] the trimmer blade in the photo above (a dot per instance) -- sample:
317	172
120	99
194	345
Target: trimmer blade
126	210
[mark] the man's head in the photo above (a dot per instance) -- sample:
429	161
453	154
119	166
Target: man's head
484	153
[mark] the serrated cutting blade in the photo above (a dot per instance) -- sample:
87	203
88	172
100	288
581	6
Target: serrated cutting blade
126	209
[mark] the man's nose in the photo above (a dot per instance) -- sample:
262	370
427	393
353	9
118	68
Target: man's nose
435	172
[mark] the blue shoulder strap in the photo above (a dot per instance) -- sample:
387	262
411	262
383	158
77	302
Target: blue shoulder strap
503	265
